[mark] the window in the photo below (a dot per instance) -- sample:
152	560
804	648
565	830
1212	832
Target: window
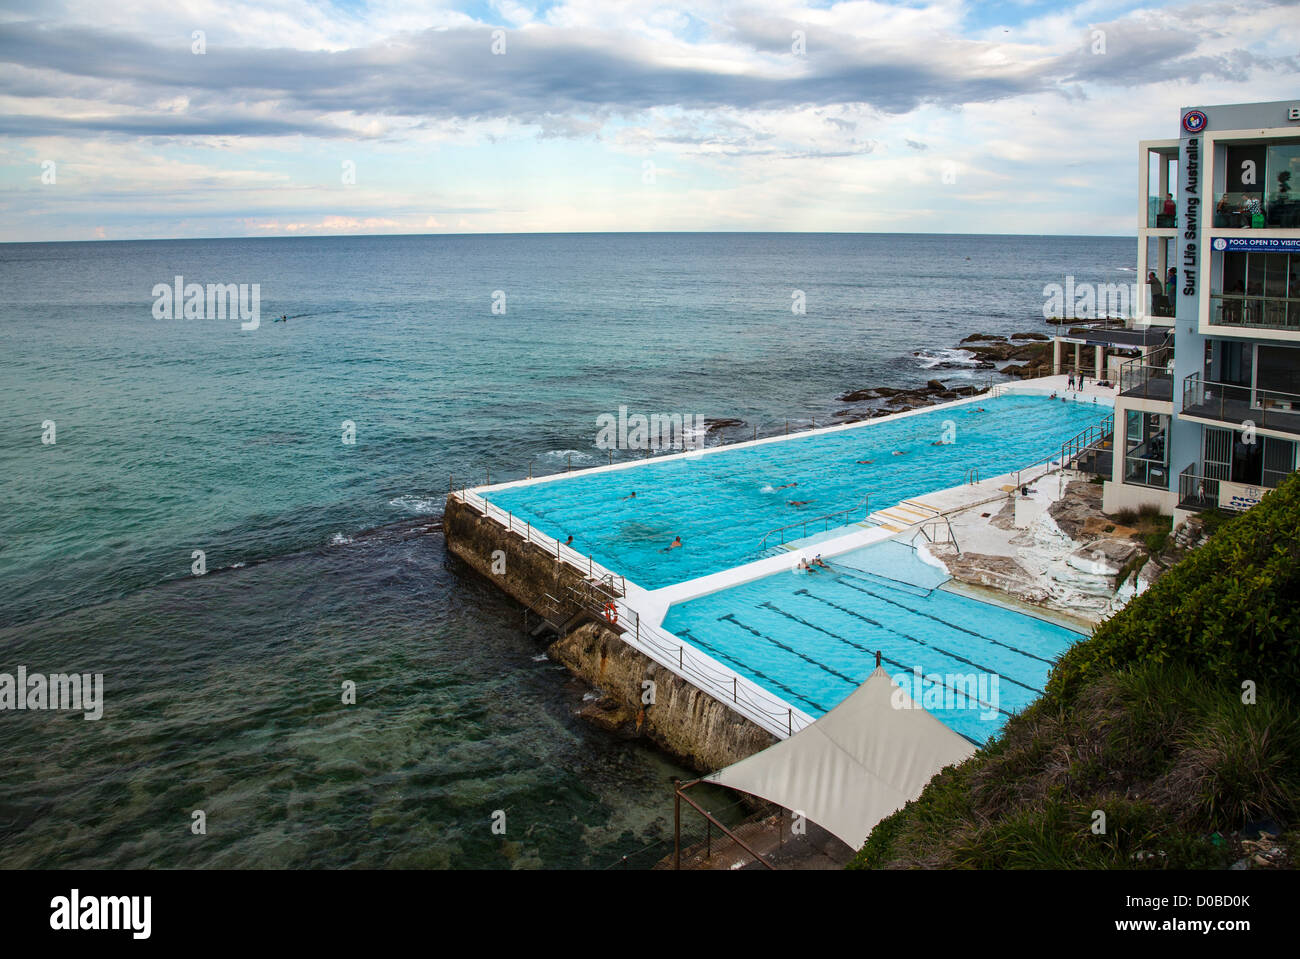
1146	459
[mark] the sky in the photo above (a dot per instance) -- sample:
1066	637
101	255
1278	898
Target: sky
139	119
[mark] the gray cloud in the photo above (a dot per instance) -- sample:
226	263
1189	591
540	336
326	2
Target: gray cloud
557	79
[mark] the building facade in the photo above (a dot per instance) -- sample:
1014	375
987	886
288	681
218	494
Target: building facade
1208	414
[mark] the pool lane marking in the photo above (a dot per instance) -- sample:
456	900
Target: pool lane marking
855	683
921	591
896	632
990	639
777	609
721	655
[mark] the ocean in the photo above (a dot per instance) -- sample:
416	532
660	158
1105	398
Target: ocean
444	359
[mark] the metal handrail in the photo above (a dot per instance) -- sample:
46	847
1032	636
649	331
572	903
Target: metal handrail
926	524
1198	392
813	519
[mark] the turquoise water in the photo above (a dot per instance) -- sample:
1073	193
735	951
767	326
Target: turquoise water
811	638
721	504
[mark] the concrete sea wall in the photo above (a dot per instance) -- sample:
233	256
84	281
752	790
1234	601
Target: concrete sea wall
683	720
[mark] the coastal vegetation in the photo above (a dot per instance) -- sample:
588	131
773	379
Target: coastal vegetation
1170	739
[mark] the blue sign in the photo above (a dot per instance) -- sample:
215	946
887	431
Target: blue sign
1194	121
1258	244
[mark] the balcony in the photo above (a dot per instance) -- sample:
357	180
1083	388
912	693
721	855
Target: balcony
1156	217
1236	405
1197	491
1149	377
1255	312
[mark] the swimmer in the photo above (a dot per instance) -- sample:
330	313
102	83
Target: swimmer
818	562
630	496
938	443
677	541
799	502
899	452
786	486
864	462
569	541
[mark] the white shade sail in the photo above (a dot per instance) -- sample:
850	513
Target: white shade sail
863	760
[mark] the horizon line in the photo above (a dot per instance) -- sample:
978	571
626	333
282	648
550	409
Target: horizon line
351	236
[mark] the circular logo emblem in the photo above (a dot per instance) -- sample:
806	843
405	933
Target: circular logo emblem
1194	121
1220	244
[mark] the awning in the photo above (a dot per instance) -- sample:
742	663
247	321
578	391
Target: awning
863	760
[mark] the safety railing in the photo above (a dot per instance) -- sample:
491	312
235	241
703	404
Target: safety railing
1237	404
1148	377
1091	439
743	695
1195	491
824	520
923	532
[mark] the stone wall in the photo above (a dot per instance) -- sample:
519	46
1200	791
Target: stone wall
701	731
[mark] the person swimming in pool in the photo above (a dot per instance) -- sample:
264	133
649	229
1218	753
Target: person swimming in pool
631	495
569	541
817	561
900	452
677	541
799	502
864	462
786	486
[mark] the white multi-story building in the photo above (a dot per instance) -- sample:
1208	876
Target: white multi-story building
1209	414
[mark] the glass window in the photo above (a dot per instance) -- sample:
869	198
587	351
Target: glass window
1282	183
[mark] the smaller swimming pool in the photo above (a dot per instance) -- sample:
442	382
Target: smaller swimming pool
812	638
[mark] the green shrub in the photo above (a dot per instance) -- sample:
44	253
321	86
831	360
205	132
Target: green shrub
1228	607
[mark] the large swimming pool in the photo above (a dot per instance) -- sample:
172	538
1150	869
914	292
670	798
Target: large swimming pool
722	503
811	638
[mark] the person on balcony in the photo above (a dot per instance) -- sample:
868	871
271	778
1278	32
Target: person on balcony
1170	208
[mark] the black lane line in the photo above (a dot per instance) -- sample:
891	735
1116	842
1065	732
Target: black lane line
888	583
731	618
908	636
721	655
989	639
885	659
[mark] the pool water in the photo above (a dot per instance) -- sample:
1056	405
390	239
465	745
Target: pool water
721	504
811	638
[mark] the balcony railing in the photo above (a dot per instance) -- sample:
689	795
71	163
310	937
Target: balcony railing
1230	403
1257	312
1150	377
1196	491
1156	216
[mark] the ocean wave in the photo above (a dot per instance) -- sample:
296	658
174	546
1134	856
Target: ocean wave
338	539
929	359
419	505
578	455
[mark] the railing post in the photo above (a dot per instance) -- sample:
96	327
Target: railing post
679	657
735	692
789	721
